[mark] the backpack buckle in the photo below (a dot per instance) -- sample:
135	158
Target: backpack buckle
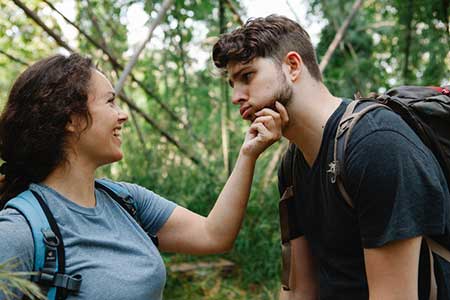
44	276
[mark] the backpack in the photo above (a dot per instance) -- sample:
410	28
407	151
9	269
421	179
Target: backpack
49	256
426	110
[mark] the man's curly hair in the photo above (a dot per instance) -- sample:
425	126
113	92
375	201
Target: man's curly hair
273	36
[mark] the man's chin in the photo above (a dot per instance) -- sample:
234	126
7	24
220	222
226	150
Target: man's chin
250	118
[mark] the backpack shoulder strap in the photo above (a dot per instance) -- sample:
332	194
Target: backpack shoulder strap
119	194
49	256
355	110
125	199
288	173
37	220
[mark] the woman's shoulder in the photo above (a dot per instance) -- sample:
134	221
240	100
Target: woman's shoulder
11	218
16	238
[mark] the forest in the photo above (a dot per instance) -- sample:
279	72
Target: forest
184	134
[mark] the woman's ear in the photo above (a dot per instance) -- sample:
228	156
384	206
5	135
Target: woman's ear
295	64
73	125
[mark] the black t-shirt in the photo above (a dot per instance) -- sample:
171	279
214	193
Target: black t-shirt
398	192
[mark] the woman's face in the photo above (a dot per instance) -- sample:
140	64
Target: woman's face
100	143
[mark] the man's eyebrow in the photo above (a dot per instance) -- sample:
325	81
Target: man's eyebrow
236	74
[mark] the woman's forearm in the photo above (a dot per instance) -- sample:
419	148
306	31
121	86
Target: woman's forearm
225	219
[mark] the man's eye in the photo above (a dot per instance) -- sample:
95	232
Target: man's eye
247	76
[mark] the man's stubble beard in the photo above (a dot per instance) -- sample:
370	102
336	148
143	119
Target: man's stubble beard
284	91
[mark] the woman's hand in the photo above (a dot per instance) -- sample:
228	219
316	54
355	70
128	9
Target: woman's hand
265	130
187	232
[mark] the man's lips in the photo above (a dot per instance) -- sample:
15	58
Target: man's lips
245	111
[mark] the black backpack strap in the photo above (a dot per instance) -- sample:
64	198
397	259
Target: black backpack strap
124	199
49	255
49	275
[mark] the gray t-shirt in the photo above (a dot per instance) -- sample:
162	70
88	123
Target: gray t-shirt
104	244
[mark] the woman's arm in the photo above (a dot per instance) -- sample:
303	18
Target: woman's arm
188	232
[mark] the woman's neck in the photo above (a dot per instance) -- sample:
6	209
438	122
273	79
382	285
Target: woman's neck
74	182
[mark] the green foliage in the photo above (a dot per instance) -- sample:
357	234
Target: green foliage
388	43
11	282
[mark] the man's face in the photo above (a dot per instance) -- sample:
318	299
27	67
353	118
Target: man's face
257	85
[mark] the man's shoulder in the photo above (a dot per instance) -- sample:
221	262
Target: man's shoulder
382	120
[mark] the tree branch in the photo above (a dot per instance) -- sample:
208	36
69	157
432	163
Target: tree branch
138	130
408	39
224	111
144	87
164	8
234	11
116	64
162	131
272	166
182	66
17	60
36	19
339	36
59	41
293	11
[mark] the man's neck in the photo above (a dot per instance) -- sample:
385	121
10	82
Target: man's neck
308	115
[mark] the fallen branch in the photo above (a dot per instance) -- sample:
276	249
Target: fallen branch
197	268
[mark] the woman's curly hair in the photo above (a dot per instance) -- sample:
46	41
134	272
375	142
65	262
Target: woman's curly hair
33	123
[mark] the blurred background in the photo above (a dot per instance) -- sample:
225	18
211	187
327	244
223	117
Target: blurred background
184	134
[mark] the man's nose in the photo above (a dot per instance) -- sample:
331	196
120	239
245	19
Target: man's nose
239	95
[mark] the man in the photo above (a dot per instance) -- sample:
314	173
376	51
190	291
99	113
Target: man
372	250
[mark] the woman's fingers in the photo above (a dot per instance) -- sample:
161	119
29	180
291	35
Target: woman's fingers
266	129
283	113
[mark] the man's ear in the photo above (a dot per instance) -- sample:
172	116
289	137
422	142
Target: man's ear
295	64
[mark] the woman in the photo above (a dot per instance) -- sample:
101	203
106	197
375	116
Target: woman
61	123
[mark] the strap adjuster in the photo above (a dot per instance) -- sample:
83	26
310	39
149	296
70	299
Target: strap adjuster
71	283
44	276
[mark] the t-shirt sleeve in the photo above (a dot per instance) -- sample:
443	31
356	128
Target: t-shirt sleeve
153	210
397	188
16	241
